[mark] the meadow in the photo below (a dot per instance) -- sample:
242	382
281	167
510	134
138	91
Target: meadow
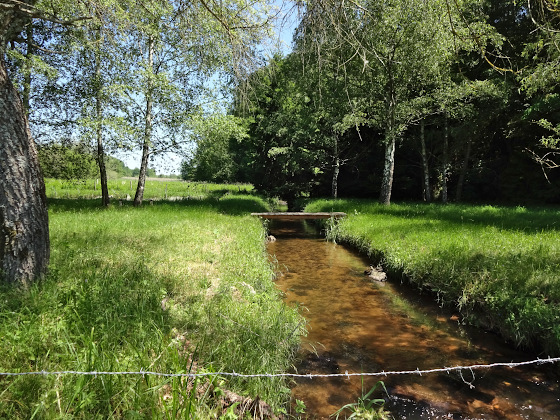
173	287
499	266
155	188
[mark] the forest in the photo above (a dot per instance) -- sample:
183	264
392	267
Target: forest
445	101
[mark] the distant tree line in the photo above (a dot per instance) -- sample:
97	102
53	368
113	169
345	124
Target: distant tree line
76	162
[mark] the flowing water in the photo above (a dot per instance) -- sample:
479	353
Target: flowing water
359	325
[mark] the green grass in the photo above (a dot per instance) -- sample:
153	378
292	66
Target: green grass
155	188
499	265
174	287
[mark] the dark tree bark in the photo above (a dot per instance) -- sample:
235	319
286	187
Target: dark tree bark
139	196
101	159
463	174
445	159
24	228
99	134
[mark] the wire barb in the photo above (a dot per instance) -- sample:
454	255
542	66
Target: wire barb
143	372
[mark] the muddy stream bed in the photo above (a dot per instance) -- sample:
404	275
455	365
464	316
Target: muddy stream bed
359	325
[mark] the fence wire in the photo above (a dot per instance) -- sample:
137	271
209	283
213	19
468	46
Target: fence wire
142	372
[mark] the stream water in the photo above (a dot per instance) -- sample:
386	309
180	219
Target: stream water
359	325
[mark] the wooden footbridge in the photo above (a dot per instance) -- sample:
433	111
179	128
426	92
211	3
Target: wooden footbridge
299	215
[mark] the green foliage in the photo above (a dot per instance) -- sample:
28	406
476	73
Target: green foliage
498	265
77	163
73	162
213	160
174	287
284	150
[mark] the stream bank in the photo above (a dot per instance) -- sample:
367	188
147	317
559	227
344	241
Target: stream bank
499	266
356	325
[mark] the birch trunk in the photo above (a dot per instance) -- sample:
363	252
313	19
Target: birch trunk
24	227
390	144
147	131
336	169
426	169
388	171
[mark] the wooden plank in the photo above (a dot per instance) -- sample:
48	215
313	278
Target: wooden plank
299	215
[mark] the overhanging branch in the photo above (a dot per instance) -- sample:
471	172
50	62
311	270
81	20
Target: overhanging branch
30	11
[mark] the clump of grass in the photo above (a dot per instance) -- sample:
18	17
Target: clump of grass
367	407
174	287
499	265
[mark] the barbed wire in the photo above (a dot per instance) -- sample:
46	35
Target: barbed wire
292	375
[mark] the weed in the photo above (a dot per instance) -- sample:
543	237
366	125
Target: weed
367	408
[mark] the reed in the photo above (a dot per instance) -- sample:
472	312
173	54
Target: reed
500	266
174	287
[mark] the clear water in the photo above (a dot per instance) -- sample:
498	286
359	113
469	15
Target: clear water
358	325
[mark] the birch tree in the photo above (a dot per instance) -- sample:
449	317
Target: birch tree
24	238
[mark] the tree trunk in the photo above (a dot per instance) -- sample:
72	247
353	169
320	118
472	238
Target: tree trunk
462	175
24	227
336	170
427	195
388	171
99	117
390	143
445	159
139	196
147	131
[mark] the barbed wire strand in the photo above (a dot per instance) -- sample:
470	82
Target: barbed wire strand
292	375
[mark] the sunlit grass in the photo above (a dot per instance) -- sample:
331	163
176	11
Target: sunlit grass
155	188
173	287
499	265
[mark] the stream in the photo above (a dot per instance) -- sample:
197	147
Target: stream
359	325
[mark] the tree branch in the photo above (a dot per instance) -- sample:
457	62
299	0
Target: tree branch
30	11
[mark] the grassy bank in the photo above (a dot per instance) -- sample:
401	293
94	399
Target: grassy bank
500	266
155	188
174	287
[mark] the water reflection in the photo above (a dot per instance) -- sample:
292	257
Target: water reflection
357	325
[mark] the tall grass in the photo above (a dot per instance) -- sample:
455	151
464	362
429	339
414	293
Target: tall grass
155	188
174	287
500	266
